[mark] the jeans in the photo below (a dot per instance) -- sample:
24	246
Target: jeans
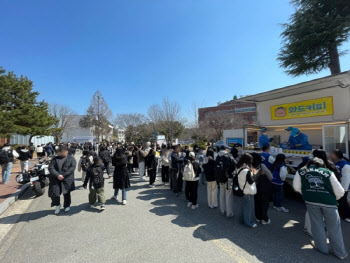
321	216
248	210
24	166
226	198
99	193
116	191
191	191
141	170
56	201
212	192
6	172
165	174
202	176
174	181
277	195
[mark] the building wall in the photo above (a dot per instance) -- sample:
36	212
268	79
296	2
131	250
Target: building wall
246	110
76	131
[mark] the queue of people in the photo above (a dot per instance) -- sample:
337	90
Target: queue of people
256	179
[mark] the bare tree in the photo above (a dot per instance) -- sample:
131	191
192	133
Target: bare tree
124	120
155	115
65	116
215	123
98	116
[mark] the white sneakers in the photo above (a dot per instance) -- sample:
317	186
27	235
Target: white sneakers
124	202
152	186
115	197
103	207
189	204
266	222
194	206
281	209
58	209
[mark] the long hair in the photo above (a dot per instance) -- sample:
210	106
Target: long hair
246	159
279	162
257	160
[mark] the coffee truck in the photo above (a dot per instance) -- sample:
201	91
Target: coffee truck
319	108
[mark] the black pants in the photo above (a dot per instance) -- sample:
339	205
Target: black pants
107	167
56	200
130	168
191	191
344	208
261	206
152	173
174	180
165	174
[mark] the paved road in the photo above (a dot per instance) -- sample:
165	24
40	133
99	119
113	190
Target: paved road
154	226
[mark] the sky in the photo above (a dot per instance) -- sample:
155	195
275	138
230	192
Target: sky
138	51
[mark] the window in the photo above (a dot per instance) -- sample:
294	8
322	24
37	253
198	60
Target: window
246	109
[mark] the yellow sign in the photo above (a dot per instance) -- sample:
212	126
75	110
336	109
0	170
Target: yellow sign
303	109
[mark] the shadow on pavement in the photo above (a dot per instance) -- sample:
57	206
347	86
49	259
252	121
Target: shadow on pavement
283	240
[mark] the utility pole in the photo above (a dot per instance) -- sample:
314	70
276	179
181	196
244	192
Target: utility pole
98	118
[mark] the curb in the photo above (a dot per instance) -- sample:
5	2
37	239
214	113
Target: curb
13	198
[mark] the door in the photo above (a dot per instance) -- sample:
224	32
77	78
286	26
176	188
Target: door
336	137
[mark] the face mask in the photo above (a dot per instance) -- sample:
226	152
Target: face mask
264	133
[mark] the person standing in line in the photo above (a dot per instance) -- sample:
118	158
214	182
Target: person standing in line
31	149
247	185
24	156
151	164
177	159
279	173
106	159
191	176
212	186
165	165
134	157
121	179
263	178
130	159
7	157
200	158
321	190
224	168
61	170
344	168
39	151
94	176
142	153
85	161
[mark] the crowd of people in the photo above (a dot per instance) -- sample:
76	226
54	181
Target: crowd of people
257	179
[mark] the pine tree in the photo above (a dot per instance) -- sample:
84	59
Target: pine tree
20	112
312	37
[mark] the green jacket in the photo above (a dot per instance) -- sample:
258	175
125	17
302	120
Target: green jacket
316	186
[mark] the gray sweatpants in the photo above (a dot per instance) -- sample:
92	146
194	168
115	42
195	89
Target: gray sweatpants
226	198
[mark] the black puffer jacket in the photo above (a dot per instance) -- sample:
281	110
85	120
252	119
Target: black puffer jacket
209	169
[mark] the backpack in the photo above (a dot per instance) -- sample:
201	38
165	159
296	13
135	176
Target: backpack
4	156
106	158
189	173
237	191
97	177
221	173
85	163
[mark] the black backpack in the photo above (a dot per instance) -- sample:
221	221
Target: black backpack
5	156
221	170
97	177
237	191
85	163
